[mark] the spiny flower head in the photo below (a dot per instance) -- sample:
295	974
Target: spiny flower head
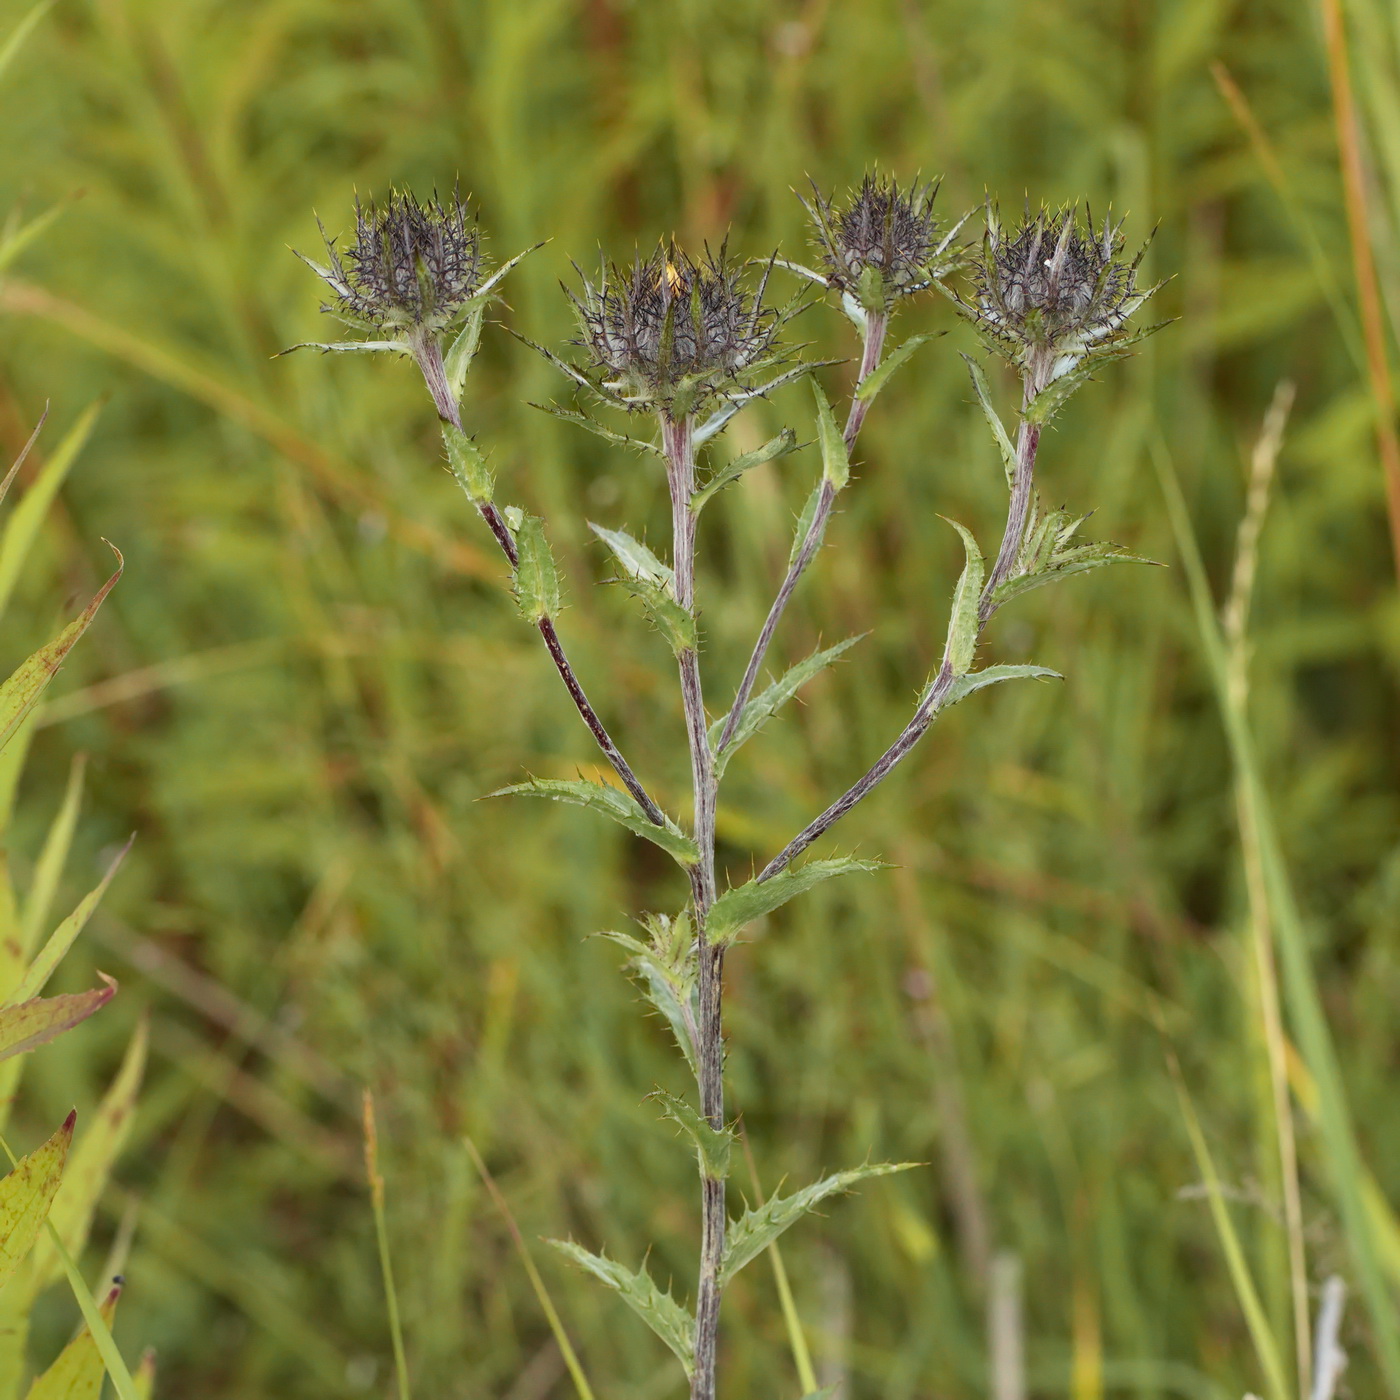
674	333
412	268
1055	292
882	244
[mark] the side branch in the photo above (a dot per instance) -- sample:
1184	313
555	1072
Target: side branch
870	359
1021	490
430	362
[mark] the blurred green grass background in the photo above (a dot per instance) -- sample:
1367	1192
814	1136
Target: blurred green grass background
312	670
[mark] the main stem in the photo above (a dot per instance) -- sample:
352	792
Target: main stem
678	442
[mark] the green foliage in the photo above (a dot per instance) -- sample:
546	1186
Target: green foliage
878	377
652	582
755	1230
536	575
836	461
712	1147
468	464
612	802
745	903
772	698
963	623
657	1309
776	447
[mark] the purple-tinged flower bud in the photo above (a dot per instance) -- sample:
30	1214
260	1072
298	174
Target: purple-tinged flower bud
1055	293
412	268
882	244
675	334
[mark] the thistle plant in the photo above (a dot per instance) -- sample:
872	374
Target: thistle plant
684	343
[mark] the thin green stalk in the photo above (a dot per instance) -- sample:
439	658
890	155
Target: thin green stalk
381	1230
1303	1001
566	1349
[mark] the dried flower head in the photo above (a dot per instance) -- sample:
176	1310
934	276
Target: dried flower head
882	244
411	268
674	333
1056	292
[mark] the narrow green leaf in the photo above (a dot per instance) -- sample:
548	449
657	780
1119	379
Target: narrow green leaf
25	1196
836	461
963	624
145	1376
27	683
878	377
62	938
611	802
1058	392
964	685
536	577
468	464
742	905
755	1230
350	347
592	425
804	522
1265	1344
984	399
23	525
48	869
771	699
21	32
712	1147
34	1023
79	1371
90	1164
29	233
780	446
671	1322
653	582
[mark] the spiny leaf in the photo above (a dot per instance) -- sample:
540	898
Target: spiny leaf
592	425
536	577
22	690
1077	561
34	1023
25	1196
984	399
755	1230
62	938
964	685
671	1322
963	625
611	802
780	446
637	561
79	1371
836	460
740	906
661	989
459	357
804	522
712	1146
880	375
771	699
467	463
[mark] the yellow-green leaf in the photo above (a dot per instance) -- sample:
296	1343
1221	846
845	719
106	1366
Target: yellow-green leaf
32	1023
78	1373
25	1197
61	939
91	1163
20	693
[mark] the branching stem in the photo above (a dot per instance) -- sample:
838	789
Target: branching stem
875	330
1017	514
429	358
